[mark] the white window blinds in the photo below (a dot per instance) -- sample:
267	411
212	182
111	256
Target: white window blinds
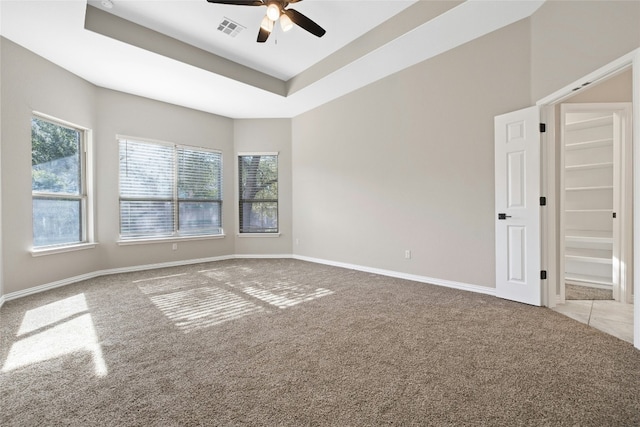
169	190
199	192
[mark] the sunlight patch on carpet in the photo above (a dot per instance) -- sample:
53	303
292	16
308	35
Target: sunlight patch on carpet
163	284
160	277
226	273
203	307
54	330
282	294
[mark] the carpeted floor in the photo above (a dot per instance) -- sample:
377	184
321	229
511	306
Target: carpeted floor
577	292
285	342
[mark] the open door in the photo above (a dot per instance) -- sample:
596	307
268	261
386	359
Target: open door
517	220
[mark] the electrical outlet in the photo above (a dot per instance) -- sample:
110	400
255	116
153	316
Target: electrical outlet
174	247
407	254
297	241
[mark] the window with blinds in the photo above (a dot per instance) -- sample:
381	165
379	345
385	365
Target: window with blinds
168	190
258	193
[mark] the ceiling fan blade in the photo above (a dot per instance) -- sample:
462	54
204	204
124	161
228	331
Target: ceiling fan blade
239	2
263	35
305	23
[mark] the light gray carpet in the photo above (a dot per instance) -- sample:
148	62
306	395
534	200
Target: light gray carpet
284	342
577	292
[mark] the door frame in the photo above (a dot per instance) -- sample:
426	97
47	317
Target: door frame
549	224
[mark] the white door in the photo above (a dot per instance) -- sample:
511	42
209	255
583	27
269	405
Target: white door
517	220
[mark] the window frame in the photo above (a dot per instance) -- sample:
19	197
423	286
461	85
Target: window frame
175	236
84	195
265	234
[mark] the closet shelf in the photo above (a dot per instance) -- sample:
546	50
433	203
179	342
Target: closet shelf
583	278
602	165
596	187
589	236
587	184
590	144
590	123
590	252
590	259
594	240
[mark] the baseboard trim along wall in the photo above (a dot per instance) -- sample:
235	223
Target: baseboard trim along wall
382	272
87	276
250	256
398	275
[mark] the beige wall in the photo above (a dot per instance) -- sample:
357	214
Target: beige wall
616	89
271	135
30	83
407	163
123	114
570	39
404	163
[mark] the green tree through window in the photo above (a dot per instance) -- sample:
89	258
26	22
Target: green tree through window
59	199
258	181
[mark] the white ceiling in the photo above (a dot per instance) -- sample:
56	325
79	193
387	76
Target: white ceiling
366	40
284	55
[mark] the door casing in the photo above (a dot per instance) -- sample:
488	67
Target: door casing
549	224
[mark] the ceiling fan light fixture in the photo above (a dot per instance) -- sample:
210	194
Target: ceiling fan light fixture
267	24
273	11
277	9
285	22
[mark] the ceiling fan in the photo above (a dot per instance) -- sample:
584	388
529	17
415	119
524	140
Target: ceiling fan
277	10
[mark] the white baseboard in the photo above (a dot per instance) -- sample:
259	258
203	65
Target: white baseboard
47	286
413	277
389	273
164	265
251	256
81	277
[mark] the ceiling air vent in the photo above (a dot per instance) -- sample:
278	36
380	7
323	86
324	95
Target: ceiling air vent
230	27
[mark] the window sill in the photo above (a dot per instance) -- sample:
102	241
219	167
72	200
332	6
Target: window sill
61	249
258	234
173	239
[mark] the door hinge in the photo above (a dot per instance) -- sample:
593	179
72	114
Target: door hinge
543	201
543	127
614	215
543	275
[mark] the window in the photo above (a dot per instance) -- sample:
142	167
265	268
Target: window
58	185
169	191
258	192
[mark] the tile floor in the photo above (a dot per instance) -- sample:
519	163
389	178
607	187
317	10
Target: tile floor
611	317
